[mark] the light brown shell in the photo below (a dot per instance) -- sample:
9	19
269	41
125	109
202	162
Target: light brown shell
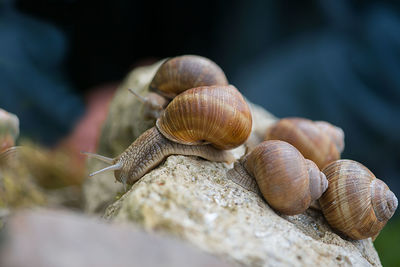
336	133
211	114
184	72
356	203
314	143
284	177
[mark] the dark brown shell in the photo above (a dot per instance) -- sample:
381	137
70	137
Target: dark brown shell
184	72
211	114
356	203
314	143
284	177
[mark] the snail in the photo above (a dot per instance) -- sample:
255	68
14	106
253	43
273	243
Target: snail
318	141
356	203
176	75
9	129
277	170
204	121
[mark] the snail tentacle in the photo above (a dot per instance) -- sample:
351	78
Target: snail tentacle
99	157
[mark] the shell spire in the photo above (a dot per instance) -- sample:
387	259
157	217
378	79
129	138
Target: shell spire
318	181
383	200
335	133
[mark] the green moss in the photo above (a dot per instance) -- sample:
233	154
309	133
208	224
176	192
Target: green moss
388	243
18	191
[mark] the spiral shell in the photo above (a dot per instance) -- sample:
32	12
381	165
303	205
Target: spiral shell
308	137
356	203
9	129
184	72
210	114
287	181
336	134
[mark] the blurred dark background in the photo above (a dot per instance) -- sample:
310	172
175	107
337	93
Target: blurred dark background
337	61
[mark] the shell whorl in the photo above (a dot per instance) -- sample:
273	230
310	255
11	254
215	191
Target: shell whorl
210	114
335	133
184	72
307	137
318	181
384	202
284	176
355	202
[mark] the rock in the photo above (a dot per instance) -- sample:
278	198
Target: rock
192	199
62	239
31	175
18	189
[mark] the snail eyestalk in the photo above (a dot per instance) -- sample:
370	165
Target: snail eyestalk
116	166
99	157
113	167
153	103
142	99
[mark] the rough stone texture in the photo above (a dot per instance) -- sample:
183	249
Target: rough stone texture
192	198
62	239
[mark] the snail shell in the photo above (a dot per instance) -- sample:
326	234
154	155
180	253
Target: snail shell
313	140
210	114
287	180
336	134
356	203
184	72
9	129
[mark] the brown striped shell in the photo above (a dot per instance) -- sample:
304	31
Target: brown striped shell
210	114
287	180
310	138
184	72
356	203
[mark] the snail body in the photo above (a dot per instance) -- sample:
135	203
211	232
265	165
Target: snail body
320	141
176	75
187	128
356	203
286	180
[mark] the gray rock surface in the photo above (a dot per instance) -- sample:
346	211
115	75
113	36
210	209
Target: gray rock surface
191	198
63	239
